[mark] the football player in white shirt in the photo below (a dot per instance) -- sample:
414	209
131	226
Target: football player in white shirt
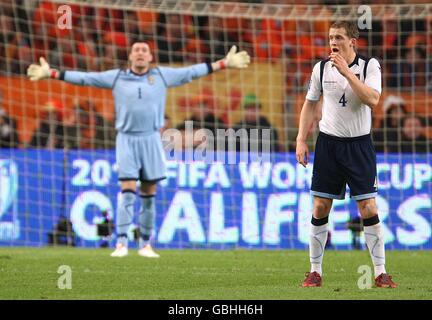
344	154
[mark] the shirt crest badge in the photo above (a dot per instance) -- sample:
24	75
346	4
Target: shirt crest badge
151	80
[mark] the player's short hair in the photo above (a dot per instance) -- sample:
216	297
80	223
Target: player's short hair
349	26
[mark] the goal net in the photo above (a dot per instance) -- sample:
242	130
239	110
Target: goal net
59	178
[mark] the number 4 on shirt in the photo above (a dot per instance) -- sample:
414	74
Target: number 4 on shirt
343	101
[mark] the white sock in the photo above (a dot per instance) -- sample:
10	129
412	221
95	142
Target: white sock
379	269
316	267
375	243
317	242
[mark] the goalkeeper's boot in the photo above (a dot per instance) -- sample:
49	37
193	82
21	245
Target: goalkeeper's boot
120	251
147	252
313	279
384	281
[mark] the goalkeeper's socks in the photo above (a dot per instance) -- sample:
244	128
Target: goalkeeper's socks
375	243
317	242
146	219
125	214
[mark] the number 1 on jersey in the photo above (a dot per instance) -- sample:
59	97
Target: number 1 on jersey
343	101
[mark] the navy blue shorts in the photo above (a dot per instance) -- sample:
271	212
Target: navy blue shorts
341	161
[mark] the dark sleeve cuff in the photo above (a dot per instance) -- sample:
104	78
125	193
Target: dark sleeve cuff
209	67
62	75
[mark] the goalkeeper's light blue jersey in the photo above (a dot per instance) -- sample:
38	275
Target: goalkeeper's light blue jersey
139	99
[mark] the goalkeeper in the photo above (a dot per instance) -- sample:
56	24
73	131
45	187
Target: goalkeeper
140	94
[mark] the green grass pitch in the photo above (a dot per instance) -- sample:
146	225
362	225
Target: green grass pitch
32	273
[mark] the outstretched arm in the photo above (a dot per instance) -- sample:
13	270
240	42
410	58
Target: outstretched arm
178	76
104	79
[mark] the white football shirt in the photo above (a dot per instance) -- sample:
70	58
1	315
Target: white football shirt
343	114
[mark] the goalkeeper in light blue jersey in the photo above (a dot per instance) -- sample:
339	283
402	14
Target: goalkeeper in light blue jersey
140	95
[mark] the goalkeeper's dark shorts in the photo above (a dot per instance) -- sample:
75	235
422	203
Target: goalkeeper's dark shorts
341	161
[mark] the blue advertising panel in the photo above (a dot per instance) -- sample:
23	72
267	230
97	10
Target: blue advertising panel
32	195
212	205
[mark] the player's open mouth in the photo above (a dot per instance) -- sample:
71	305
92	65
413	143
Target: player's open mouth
335	50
